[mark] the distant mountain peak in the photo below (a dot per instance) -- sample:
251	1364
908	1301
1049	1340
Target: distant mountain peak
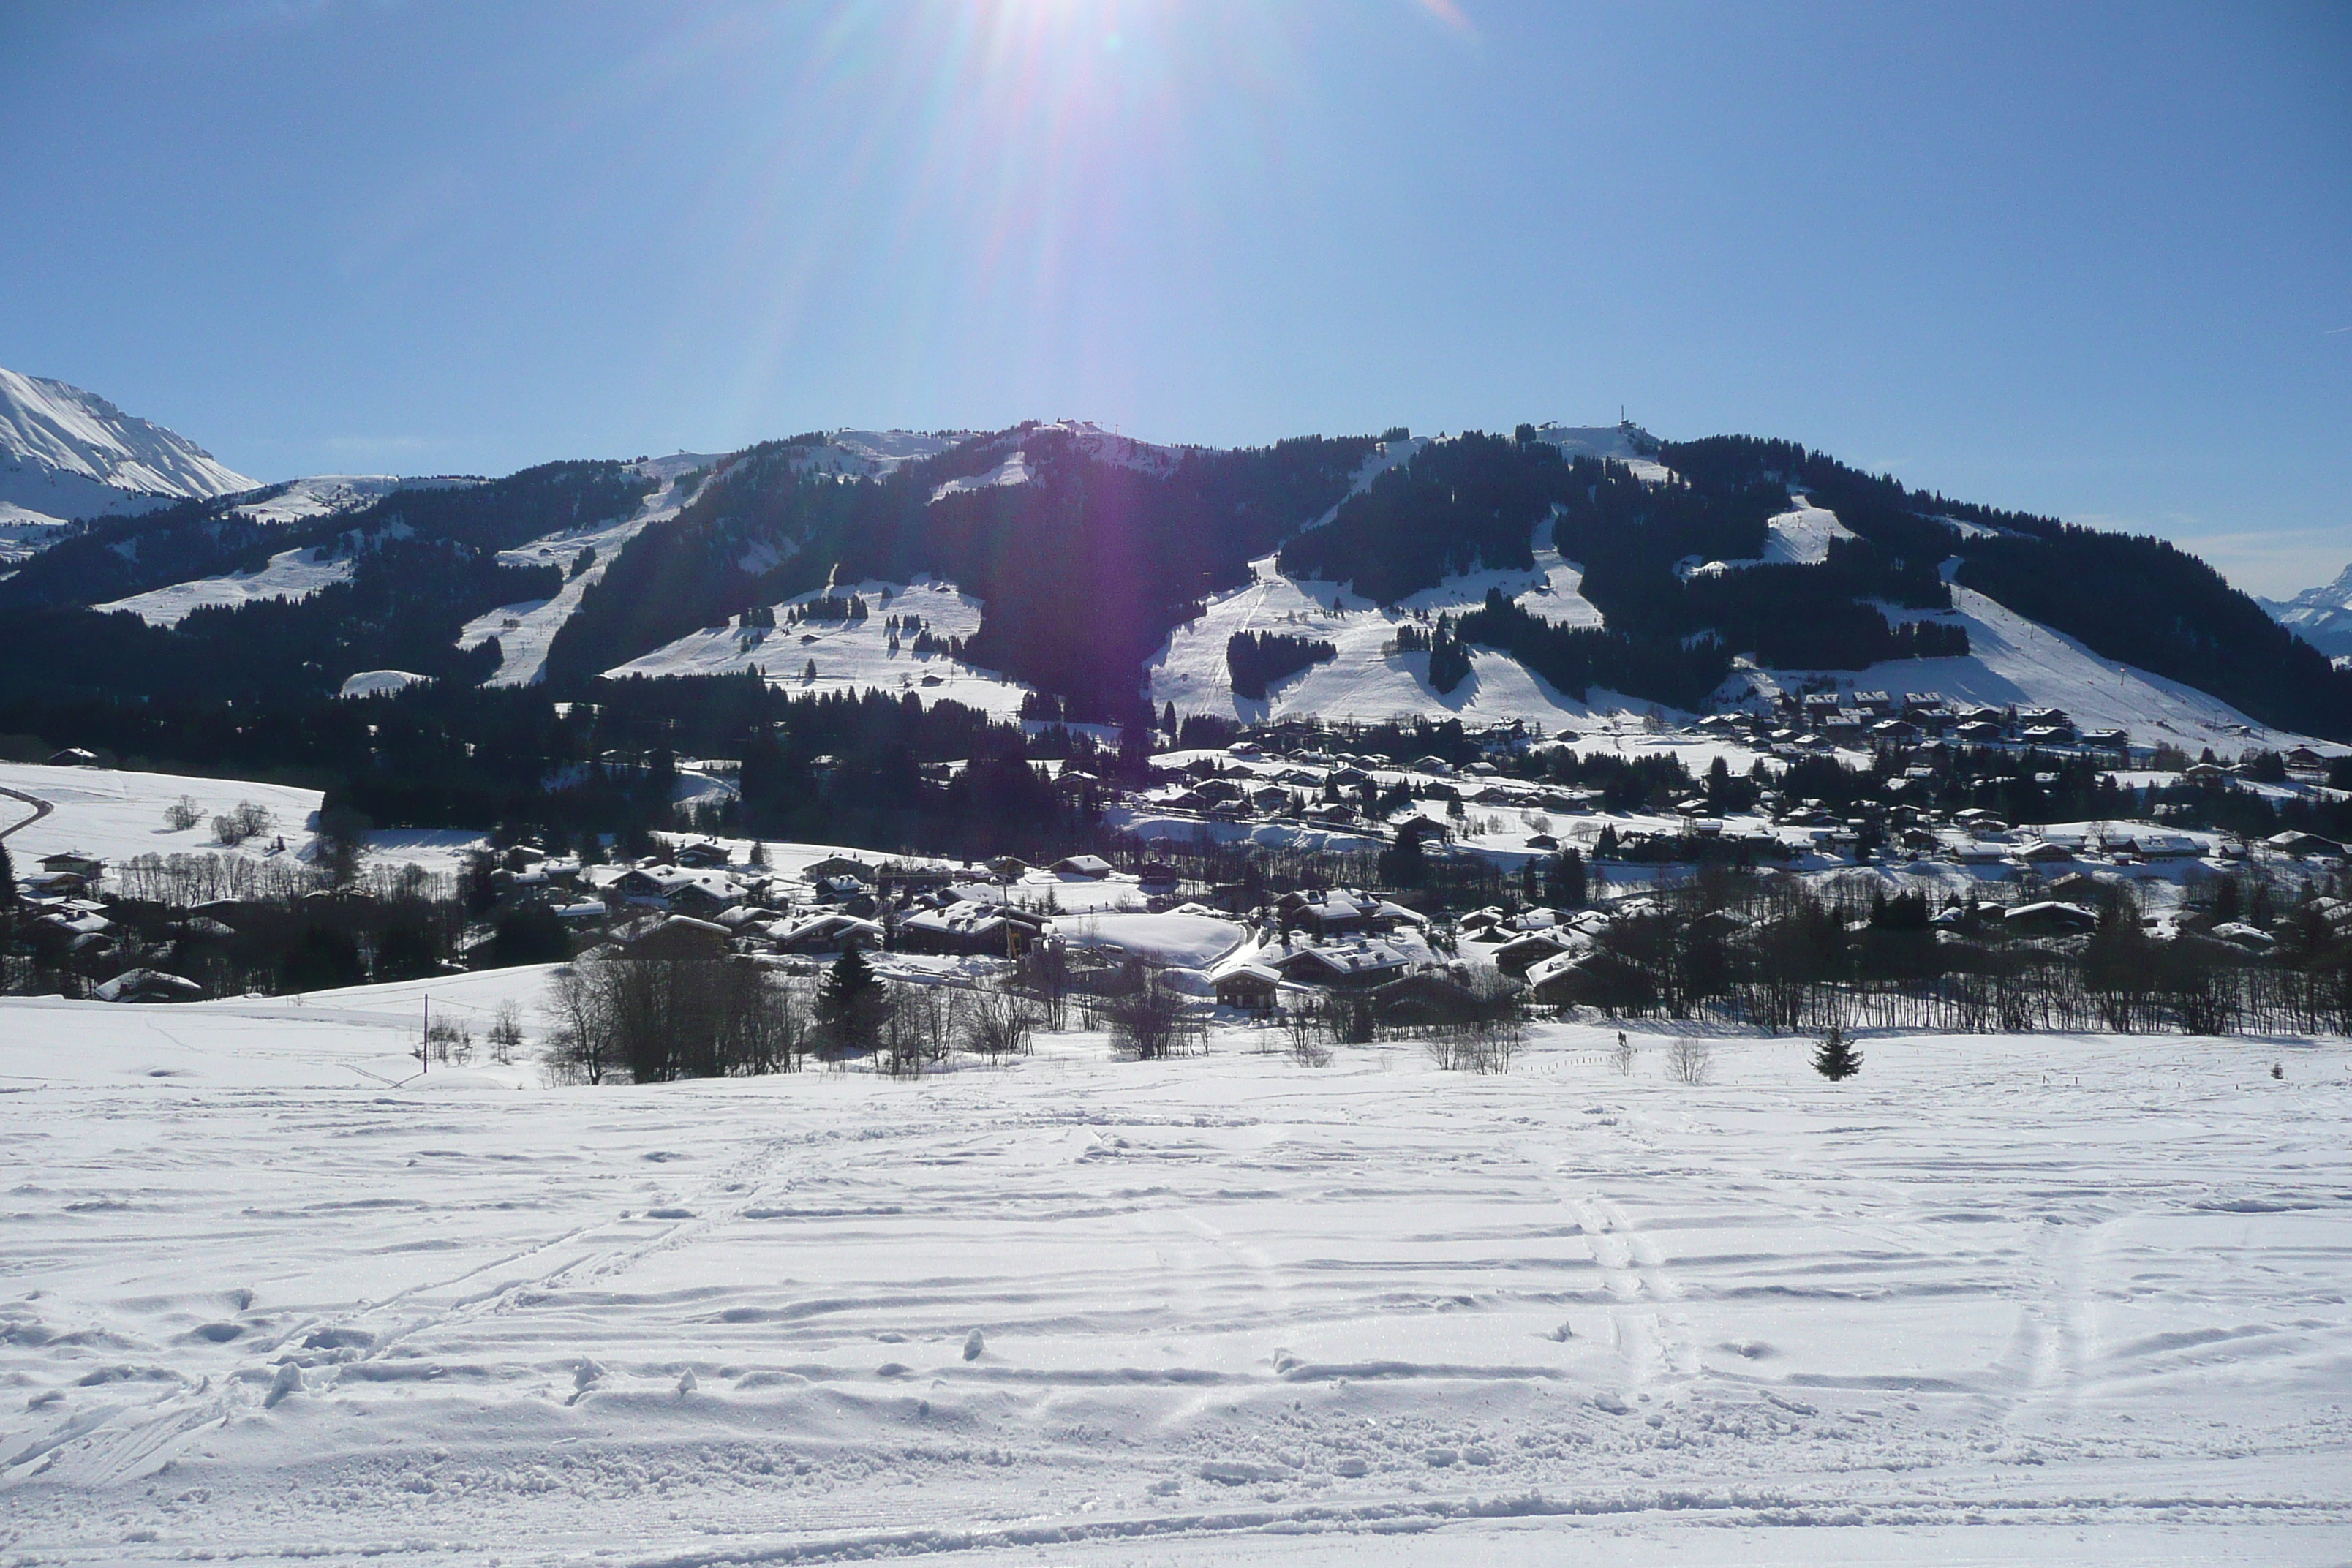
2322	617
67	453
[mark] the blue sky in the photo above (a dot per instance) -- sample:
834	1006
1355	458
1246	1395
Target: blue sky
2082	260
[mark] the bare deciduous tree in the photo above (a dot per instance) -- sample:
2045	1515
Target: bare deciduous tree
1690	1061
1149	1020
997	1023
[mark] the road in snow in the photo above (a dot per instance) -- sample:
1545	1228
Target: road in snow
41	808
269	1300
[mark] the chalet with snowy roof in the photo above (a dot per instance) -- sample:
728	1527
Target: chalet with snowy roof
148	986
1249	987
1524	952
1363	962
971	930
2302	844
829	933
1093	868
2049	917
681	938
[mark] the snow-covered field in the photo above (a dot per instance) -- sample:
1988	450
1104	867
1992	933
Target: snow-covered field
2048	1300
116	814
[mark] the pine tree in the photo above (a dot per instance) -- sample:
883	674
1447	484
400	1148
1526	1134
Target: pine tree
759	854
850	1001
1836	1060
8	878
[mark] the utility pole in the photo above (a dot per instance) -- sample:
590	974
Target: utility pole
425	1045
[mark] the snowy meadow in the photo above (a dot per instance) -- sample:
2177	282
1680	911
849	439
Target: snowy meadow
271	1296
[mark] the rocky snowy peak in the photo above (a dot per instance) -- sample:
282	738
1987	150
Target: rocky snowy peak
2322	617
67	453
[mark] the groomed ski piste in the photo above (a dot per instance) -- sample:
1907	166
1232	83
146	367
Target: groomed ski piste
274	1296
525	630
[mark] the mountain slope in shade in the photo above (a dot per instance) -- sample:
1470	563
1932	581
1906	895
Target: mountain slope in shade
66	453
2322	617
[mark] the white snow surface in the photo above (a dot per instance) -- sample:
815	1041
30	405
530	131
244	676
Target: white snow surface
115	815
1087	438
275	1298
379	682
1799	537
1191	942
322	495
524	630
66	453
852	654
869	454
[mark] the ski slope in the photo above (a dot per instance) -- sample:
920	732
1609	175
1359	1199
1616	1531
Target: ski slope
288	575
1369	679
2015	661
525	630
854	654
1799	537
277	1299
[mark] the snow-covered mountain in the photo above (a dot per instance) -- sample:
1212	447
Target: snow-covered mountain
2322	617
66	453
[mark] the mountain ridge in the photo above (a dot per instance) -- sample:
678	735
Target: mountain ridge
1082	555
